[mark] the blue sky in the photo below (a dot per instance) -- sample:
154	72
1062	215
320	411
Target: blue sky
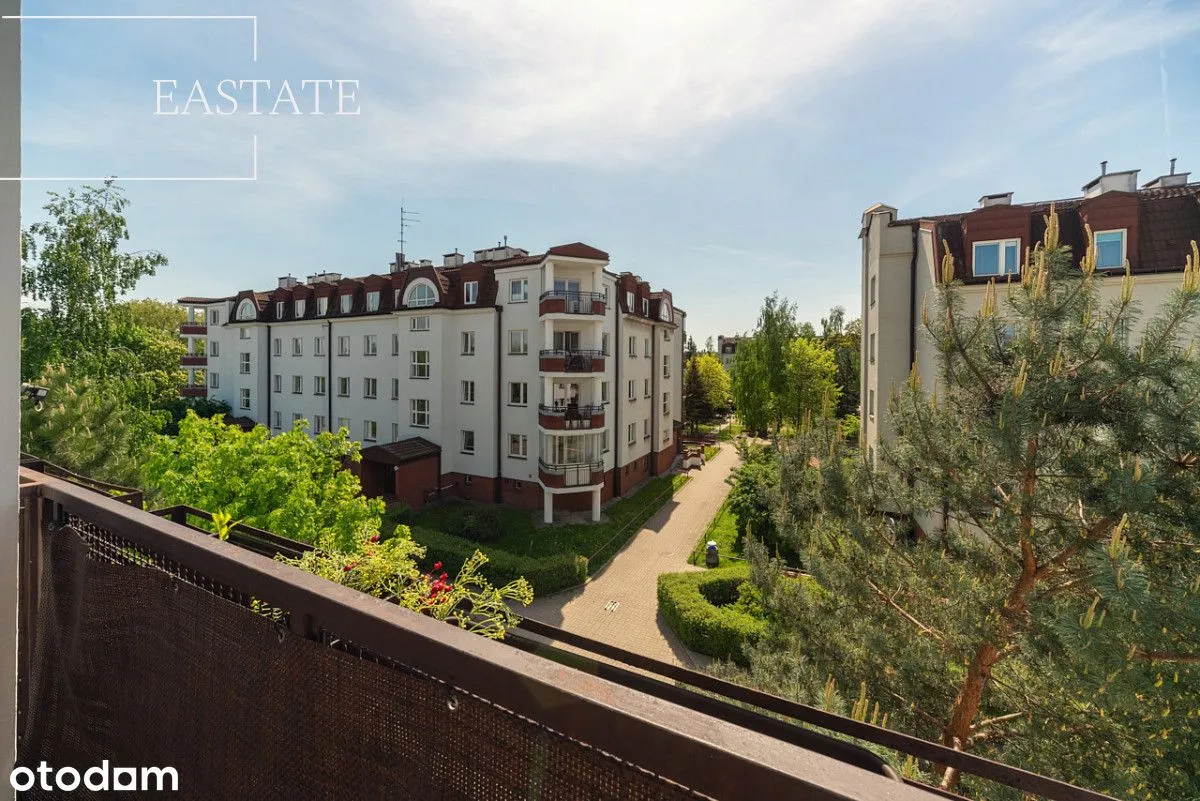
721	150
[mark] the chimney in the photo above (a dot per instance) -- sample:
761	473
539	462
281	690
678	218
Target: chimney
287	282
426	262
454	259
1002	199
1170	179
1124	181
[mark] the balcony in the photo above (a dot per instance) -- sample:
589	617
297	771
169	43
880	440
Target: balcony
131	618
193	360
189	391
193	329
559	476
560	301
562	360
571	417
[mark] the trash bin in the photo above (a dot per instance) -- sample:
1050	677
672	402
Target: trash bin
711	557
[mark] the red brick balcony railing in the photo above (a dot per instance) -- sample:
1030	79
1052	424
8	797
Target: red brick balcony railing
194	360
193	392
195	329
558	476
566	302
571	416
559	360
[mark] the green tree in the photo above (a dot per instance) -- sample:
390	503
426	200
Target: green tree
291	484
706	389
75	269
845	340
1053	621
811	388
708	345
760	363
751	385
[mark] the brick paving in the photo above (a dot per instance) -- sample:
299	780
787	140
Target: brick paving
619	605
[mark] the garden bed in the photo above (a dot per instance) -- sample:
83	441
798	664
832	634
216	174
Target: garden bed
714	612
723	529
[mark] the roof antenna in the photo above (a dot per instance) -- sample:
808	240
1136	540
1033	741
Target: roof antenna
506	240
407	218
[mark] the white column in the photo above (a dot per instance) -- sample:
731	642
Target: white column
547	506
596	505
191	346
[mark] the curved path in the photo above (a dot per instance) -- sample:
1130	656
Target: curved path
619	605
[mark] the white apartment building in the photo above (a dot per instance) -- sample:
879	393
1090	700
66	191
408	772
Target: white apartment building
532	380
1150	227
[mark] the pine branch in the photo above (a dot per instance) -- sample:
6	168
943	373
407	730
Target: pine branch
1165	656
925	629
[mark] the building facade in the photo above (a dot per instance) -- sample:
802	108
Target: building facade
533	380
727	350
1150	227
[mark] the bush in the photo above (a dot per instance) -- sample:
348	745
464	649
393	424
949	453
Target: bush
689	604
547	574
478	523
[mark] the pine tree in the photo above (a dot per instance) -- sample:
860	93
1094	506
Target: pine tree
1054	620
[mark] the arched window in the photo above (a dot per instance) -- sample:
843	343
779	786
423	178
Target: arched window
246	310
421	293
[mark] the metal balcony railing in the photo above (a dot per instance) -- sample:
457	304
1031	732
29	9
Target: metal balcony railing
574	302
579	474
571	416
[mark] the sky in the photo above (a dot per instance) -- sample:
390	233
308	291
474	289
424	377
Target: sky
721	150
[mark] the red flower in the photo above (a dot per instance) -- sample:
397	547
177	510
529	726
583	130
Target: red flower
437	565
375	537
444	576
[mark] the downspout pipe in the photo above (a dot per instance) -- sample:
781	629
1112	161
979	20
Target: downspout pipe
497	492
329	373
912	295
270	387
616	396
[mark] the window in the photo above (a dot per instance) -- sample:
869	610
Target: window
214	317
871	404
395	344
322	306
666	365
666	403
604	343
244	369
468	391
421	294
279	310
297	346
518	446
633	347
629	302
395	389
370	387
420	364
344	422
419	323
297	385
998	257
396	299
470	294
518	393
632	391
347	303
872	292
318	385
871	349
604	441
468	343
632	433
1110	249
646	387
214	349
419	412
277	383
646	307
646	428
318	423
468	441
318	346
369	430
370	345
372	301
243	333
244	398
518	342
647	347
343	387
395	432
277	347
214	381
277	420
518	290
299	308
604	392
343	346
296	418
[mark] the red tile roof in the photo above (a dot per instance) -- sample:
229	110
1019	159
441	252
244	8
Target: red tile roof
402	452
578	250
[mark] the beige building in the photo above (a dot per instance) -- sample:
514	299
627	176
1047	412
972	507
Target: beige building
1150	227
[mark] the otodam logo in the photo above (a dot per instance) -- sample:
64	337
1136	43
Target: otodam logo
98	778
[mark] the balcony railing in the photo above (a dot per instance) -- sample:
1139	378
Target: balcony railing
195	329
194	360
560	301
190	391
571	416
557	476
569	360
128	620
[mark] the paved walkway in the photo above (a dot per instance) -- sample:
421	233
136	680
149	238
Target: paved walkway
619	606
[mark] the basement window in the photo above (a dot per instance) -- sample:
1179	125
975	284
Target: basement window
998	257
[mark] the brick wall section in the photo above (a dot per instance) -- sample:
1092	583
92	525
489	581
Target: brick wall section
664	458
527	496
413	479
634	473
481	490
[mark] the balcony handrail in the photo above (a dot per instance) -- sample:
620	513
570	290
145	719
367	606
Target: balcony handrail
561	469
583	410
549	353
567	294
713	757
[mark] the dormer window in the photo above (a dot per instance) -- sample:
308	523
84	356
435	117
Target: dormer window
470	292
322	306
629	301
421	294
997	257
279	310
645	307
372	301
246	310
299	308
1110	249
347	302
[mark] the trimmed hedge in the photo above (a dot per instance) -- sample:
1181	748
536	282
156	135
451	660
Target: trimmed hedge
688	604
547	574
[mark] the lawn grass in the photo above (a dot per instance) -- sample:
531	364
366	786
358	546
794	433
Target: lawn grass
710	451
723	529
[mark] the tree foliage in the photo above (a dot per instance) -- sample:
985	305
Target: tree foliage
844	339
1053	620
291	484
707	389
811	388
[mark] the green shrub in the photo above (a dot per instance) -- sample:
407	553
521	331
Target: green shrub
547	574
689	604
477	523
